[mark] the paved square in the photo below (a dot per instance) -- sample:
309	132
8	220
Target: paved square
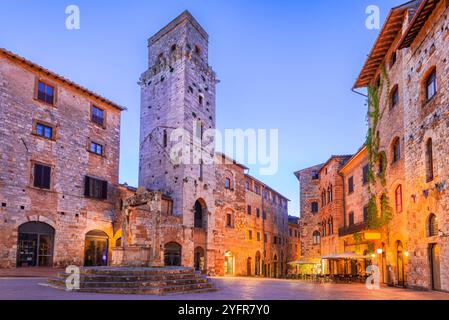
228	289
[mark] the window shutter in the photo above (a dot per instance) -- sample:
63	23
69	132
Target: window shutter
104	190
46	177
86	186
37	176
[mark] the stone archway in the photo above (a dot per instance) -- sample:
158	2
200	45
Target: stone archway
199	257
35	245
172	254
96	249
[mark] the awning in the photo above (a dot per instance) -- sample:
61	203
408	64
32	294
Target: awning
305	262
346	255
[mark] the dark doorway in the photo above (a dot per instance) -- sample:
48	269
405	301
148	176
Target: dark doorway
384	264
96	249
434	257
172	254
35	245
400	264
257	267
199	259
248	267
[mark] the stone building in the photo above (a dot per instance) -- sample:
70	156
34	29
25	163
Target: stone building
404	164
58	181
61	201
294	244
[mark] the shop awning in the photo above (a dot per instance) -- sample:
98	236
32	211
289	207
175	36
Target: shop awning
305	262
345	255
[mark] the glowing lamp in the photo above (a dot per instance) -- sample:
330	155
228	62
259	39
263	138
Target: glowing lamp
380	251
406	253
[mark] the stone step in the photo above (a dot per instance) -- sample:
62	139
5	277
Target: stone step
177	289
136	271
132	278
132	284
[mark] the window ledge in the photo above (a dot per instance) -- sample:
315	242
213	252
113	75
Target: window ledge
43	138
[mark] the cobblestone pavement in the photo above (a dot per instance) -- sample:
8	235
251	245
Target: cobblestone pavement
229	289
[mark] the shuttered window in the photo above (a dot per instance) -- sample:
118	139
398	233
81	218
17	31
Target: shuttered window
42	176
95	188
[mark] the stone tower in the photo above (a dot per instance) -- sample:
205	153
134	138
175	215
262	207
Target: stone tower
178	93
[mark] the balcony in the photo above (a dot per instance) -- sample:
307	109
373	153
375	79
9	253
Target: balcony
355	228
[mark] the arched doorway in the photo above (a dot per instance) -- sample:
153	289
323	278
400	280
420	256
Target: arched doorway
200	214
35	245
257	266
434	261
248	267
96	249
384	263
229	264
172	254
400	264
275	267
199	259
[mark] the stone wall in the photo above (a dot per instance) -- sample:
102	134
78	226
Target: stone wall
64	206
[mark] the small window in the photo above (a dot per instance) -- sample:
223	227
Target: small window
250	234
197	50
165	139
200	100
264	215
249	210
351	185
229	220
432	226
95	188
96	148
173	48
396	149
97	116
381	164
316	238
258	213
398	197
258	236
393	59
45	93
315	175
44	131
247	186
314	206
394	98
429	161
365	174
265	238
256	189
365	214
431	85
228	183
42	176
351	218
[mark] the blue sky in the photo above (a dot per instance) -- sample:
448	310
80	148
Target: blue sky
287	65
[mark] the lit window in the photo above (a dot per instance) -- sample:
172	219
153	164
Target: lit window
398	196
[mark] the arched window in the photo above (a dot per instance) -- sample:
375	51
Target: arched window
432	226
229	218
429	160
431	85
398	198
394	97
323	228
396	149
331	226
200	210
316	238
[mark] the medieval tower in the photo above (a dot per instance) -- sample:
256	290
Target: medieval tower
177	107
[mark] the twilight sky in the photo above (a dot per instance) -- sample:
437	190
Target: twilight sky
286	65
